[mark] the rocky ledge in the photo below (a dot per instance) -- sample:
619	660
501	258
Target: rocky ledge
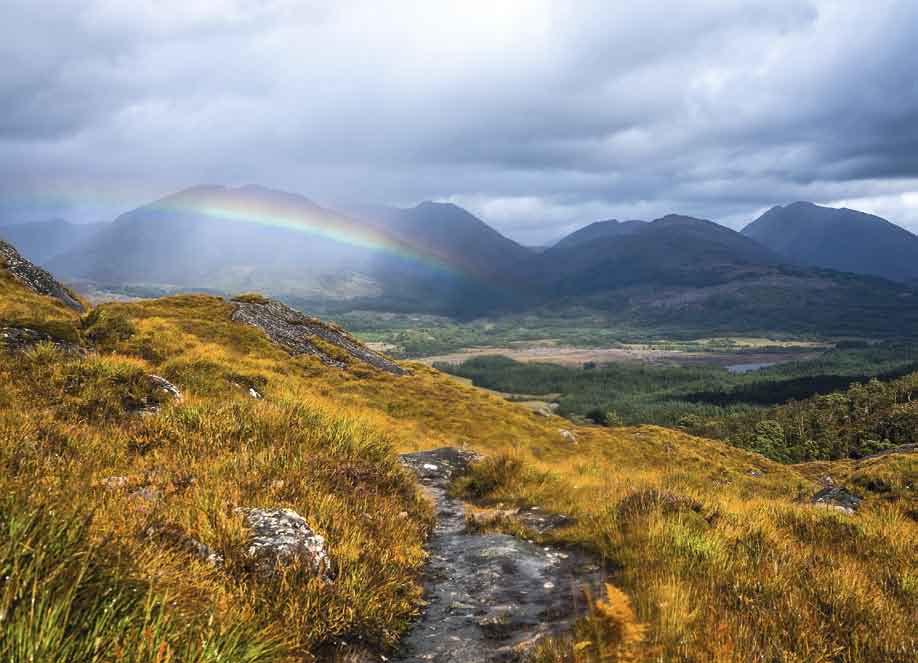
299	334
35	278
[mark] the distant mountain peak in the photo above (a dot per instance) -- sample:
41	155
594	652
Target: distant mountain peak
434	204
842	239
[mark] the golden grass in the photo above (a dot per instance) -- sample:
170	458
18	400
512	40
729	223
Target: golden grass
719	555
20	307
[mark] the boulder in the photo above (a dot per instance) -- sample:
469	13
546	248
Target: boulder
833	497
440	464
166	386
282	537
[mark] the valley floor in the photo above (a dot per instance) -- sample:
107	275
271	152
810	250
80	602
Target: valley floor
627	354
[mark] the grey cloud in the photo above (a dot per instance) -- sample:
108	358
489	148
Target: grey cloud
539	115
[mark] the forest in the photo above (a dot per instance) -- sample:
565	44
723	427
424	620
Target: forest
850	402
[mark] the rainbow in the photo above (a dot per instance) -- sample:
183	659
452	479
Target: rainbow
275	209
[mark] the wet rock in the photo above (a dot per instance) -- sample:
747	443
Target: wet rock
490	597
532	518
281	537
35	278
440	465
300	334
543	521
833	497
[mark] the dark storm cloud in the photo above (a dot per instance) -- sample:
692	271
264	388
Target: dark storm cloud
539	115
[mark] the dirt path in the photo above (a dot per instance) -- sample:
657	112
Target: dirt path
490	596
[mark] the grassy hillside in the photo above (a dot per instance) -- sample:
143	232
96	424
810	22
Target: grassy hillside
717	549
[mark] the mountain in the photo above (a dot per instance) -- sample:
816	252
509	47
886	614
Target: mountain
600	230
252	238
841	239
674	272
672	250
453	234
43	240
691	276
223	239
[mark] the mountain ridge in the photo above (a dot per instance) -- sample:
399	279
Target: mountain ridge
599	230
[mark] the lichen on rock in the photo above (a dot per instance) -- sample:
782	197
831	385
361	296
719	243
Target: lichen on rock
281	538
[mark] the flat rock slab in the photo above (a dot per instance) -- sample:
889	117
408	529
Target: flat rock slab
296	333
490	596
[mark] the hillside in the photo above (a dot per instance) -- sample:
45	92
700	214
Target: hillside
841	239
138	465
43	240
599	230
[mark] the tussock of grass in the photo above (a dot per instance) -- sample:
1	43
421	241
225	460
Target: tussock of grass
610	633
64	597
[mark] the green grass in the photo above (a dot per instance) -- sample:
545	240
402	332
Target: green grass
64	597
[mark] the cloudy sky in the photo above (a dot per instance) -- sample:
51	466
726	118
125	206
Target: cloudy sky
539	116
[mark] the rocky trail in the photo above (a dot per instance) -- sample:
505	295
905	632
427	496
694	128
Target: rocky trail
490	596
